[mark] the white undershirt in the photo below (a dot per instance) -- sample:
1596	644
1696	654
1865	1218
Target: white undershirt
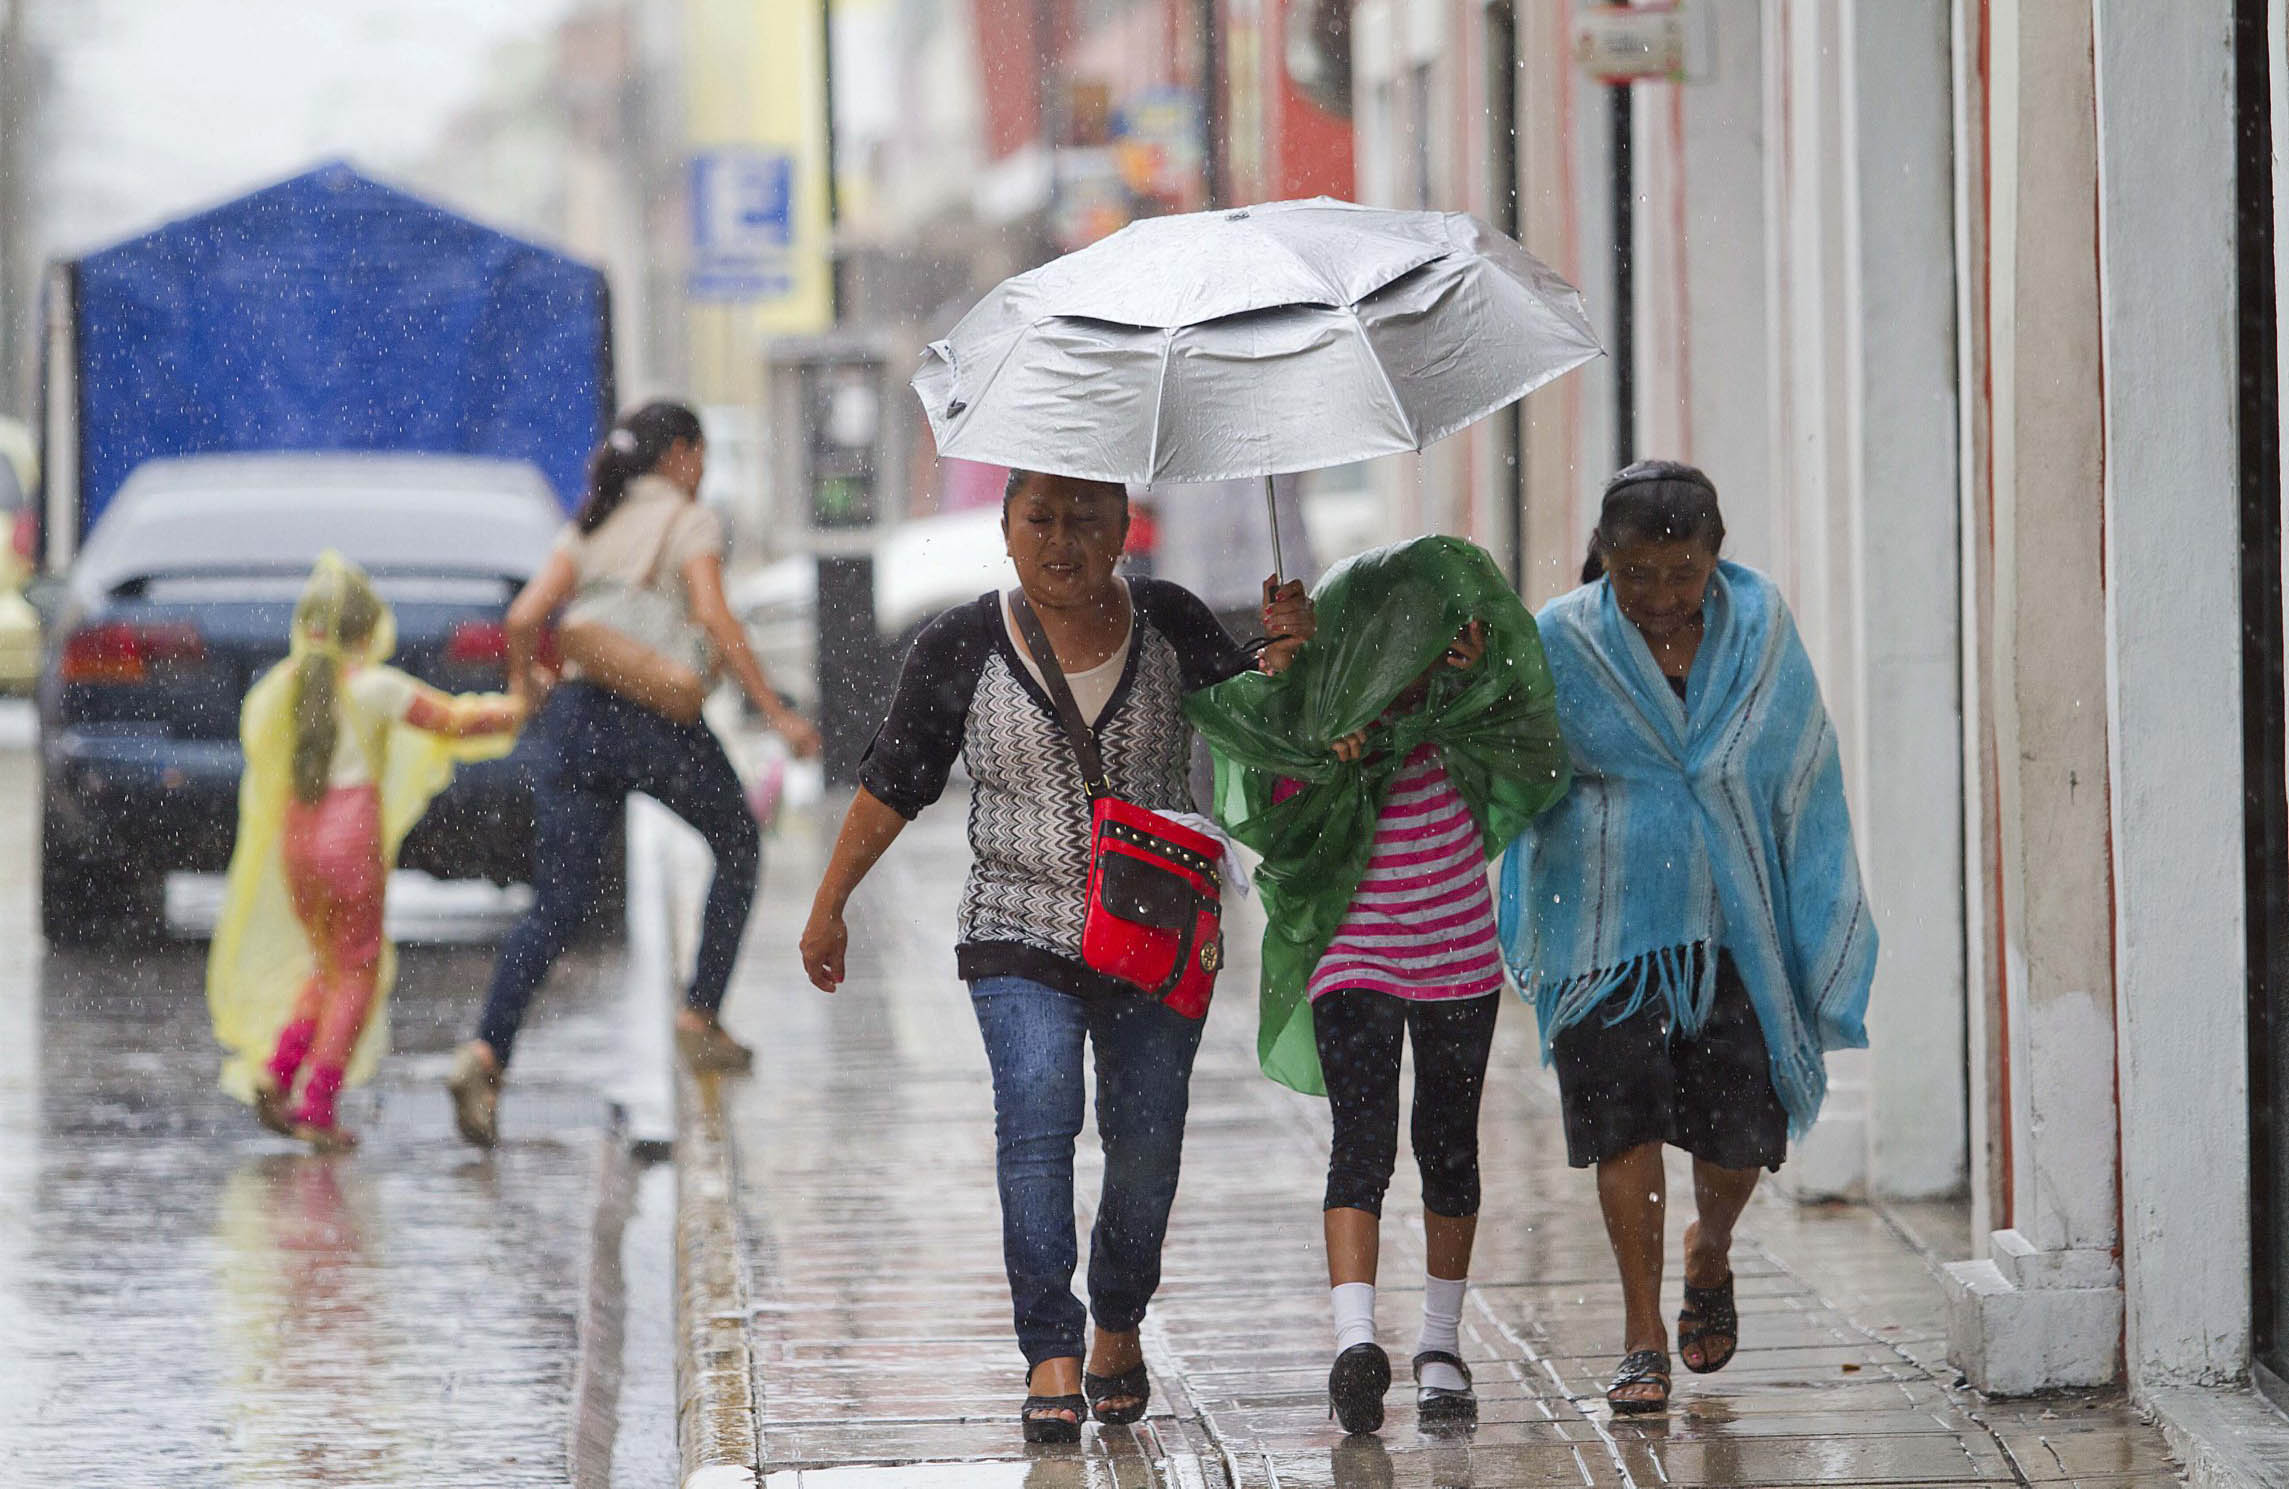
1092	689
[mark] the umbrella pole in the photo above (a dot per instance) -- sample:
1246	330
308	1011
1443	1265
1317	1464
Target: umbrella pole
1272	509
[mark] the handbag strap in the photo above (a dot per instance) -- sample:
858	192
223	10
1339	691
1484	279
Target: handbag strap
1077	732
660	548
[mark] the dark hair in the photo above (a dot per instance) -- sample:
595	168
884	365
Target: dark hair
1018	477
1658	501
632	449
317	724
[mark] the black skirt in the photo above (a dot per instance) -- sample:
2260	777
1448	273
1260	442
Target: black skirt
1639	1081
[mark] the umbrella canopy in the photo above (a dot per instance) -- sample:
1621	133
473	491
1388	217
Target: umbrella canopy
1217	345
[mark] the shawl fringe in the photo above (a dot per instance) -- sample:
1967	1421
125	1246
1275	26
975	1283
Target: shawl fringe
1683	977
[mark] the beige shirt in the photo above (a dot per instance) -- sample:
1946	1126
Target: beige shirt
655	518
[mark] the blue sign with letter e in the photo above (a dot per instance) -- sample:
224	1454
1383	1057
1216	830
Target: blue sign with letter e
742	224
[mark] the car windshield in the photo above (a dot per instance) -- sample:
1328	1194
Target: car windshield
283	528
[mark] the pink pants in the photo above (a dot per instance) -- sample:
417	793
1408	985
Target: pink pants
334	875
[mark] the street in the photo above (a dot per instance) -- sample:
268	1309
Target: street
188	1300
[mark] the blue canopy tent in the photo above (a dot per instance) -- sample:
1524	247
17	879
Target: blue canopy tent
331	312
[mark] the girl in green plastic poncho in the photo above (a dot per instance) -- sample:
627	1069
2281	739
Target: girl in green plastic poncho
1378	776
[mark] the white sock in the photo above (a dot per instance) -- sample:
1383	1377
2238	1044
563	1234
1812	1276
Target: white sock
1442	1329
1354	1304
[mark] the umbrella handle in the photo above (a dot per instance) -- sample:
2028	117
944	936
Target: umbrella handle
1272	509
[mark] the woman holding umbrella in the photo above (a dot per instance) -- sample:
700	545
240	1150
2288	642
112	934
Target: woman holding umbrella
1688	922
1205	346
973	688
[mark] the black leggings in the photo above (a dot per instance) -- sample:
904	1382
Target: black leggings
1358	1033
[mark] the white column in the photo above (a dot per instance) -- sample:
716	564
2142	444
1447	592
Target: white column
2044	1307
2173	630
1910	761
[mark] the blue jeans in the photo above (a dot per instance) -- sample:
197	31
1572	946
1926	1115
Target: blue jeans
596	747
1033	1037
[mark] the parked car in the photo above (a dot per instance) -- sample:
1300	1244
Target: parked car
184	594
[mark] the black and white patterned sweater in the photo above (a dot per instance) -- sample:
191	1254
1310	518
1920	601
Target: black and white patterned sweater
965	693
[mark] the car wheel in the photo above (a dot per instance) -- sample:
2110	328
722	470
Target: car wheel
90	903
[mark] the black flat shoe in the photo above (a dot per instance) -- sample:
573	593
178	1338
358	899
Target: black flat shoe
1640	1367
1131	1386
1042	1420
1435	1404
1356	1385
1709	1313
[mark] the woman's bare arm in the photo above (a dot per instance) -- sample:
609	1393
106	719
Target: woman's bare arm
703	582
868	830
543	595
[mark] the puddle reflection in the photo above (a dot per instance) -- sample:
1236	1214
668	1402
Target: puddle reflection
305	1374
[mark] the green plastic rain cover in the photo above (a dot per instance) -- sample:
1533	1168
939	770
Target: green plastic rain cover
1384	617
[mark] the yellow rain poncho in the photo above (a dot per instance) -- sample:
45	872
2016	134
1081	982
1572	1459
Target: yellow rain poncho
260	958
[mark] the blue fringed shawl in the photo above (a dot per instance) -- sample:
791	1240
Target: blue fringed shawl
1718	821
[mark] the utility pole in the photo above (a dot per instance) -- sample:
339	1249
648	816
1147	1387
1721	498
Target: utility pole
1210	20
1624	278
835	287
18	334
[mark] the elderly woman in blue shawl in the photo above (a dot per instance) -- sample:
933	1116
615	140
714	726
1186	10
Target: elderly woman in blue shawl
1688	922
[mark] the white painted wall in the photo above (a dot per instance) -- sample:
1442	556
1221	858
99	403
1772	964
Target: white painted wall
2165	118
1703	377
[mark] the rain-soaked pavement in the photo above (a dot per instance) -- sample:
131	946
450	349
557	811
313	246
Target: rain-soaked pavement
188	1300
880	1330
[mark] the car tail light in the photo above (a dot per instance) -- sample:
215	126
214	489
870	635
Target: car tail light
478	643
123	651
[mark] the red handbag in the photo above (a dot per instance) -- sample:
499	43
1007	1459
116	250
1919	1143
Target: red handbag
1155	918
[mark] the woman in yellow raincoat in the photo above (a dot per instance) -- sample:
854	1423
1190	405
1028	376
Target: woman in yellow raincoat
343	755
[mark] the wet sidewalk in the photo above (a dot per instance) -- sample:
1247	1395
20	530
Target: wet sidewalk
879	1328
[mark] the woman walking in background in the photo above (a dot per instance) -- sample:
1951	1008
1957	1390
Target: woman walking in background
642	545
1412	740
1688	921
343	754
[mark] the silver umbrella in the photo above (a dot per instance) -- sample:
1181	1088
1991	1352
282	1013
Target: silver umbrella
1284	337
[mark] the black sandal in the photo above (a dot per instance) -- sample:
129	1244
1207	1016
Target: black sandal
1708	1313
1640	1367
1131	1385
1356	1385
1441	1403
1042	1426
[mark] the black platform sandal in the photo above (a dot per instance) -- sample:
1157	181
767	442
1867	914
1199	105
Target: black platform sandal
1708	1313
1356	1385
1640	1367
1440	1403
1131	1385
1041	1421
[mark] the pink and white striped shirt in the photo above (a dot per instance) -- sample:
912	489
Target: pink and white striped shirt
1421	922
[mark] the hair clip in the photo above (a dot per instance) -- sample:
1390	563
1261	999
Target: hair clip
622	440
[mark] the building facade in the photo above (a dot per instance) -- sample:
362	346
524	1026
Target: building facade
1968	308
